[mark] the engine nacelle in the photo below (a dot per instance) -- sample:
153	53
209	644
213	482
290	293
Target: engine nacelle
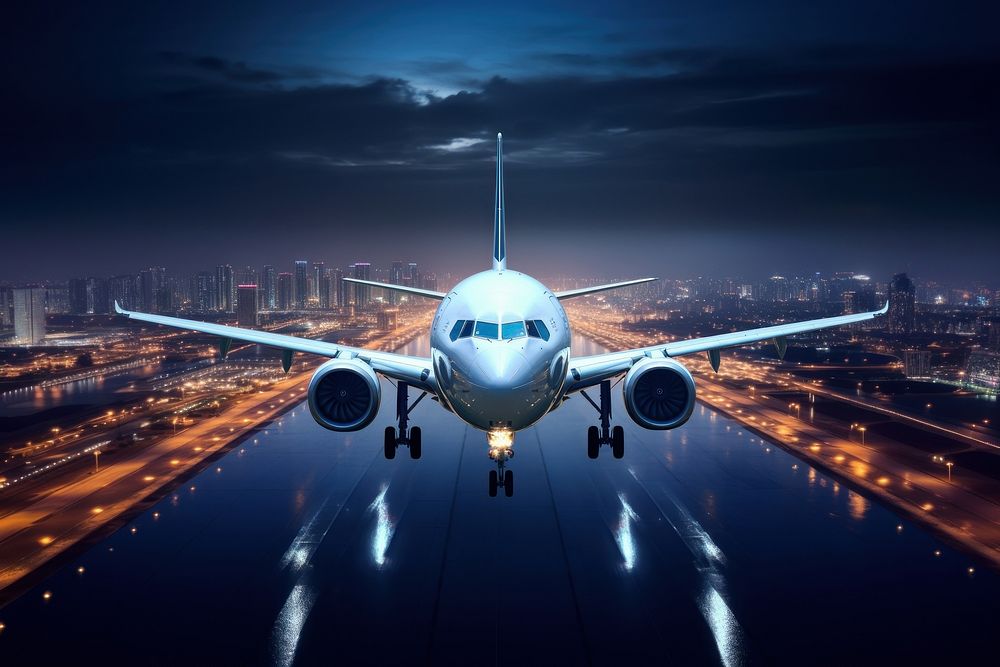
659	394
344	395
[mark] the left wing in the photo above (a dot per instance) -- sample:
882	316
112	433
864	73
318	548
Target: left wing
587	371
430	294
416	371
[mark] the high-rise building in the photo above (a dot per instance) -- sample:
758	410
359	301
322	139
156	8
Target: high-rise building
122	289
225	286
29	315
285	291
325	286
269	288
337	296
301	283
412	276
97	295
204	292
396	278
77	296
6	306
362	293
318	268
246	306
154	296
902	296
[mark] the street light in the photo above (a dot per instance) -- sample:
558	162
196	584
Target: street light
862	429
97	460
949	464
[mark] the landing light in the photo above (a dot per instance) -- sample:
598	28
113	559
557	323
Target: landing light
500	438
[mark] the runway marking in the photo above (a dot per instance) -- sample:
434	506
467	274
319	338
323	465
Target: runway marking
444	553
562	548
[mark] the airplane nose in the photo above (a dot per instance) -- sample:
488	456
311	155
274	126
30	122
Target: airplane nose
500	364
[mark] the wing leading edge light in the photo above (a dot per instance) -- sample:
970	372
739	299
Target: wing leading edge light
500	360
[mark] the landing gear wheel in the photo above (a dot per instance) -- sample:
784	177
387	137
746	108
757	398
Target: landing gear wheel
593	446
494	483
618	442
415	442
508	483
390	442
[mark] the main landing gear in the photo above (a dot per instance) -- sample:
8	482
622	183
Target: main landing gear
407	436
501	478
615	437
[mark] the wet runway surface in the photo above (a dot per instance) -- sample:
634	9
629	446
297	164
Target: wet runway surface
703	545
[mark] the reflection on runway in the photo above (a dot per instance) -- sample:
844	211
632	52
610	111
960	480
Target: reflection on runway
291	620
623	533
382	534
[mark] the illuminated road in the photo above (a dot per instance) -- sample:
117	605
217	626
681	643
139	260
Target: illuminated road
705	545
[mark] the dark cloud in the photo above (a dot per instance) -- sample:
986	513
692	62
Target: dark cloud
755	141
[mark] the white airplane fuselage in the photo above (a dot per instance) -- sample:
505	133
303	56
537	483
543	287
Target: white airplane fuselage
500	345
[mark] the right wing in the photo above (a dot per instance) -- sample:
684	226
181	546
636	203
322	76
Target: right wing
569	294
416	371
590	370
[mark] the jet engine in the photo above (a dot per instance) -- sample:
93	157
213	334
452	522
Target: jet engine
659	394
344	395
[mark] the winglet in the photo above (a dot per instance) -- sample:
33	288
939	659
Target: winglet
884	309
118	309
499	223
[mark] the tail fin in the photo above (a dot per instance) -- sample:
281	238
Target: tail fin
499	224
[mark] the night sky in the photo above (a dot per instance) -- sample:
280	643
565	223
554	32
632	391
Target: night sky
673	139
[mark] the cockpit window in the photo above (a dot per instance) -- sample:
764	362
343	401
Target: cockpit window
486	329
467	329
512	330
537	329
456	330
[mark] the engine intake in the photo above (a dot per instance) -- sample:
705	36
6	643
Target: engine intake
344	395
659	394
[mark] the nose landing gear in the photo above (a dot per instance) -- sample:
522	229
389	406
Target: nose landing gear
614	437
501	478
407	436
501	450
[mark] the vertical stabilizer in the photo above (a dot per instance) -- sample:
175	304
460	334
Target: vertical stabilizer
499	224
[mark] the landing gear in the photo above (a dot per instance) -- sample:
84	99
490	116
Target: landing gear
605	435
407	436
501	478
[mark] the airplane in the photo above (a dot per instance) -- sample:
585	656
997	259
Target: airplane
500	360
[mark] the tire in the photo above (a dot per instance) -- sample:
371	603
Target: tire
390	442
493	484
593	447
415	442
618	442
508	483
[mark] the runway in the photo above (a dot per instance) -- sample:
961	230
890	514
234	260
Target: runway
704	545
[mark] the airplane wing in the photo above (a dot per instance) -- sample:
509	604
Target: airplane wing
430	294
591	370
569	294
417	371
